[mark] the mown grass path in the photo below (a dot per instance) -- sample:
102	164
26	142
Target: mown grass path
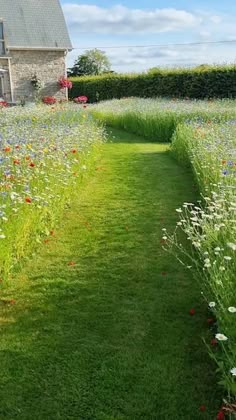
109	338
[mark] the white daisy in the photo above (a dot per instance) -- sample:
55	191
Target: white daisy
233	371
232	309
221	337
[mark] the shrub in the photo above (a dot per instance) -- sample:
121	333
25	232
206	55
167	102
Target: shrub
49	100
200	82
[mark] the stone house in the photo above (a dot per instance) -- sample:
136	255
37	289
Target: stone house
34	42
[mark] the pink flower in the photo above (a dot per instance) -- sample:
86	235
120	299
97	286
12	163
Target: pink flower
65	83
81	99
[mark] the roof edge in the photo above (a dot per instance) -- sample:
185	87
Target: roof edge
38	48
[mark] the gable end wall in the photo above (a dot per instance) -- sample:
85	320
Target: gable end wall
49	67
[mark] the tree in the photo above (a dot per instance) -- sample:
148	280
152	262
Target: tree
92	62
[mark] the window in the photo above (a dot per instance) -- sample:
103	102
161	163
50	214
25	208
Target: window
2	44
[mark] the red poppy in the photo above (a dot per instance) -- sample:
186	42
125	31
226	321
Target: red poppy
192	311
221	415
7	149
73	151
32	164
214	342
28	200
16	161
202	408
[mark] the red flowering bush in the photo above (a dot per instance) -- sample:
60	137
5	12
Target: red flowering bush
3	104
49	100
81	99
65	83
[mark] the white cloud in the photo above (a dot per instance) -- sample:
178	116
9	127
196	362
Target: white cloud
99	24
122	20
216	19
140	59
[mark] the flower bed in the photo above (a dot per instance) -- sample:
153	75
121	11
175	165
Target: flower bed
43	156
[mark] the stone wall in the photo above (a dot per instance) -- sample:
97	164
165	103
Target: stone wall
49	66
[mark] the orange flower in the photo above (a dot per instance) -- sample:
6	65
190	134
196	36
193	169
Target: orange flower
7	149
71	263
12	301
28	200
32	164
73	151
16	161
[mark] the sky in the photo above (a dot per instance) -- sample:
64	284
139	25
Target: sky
156	26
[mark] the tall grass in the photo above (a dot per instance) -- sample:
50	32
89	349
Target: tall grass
158	119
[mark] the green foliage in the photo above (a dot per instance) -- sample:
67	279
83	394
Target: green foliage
200	82
92	62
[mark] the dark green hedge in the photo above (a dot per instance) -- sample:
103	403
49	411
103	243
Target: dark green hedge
200	82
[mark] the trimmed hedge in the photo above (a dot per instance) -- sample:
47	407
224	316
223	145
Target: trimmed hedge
200	82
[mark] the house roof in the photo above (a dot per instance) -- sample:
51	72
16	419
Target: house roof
34	24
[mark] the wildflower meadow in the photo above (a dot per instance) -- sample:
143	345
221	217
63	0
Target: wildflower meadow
45	153
117	259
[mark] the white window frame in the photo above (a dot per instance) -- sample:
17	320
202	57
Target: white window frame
2	91
2	41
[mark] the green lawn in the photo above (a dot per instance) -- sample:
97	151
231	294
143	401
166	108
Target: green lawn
109	338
